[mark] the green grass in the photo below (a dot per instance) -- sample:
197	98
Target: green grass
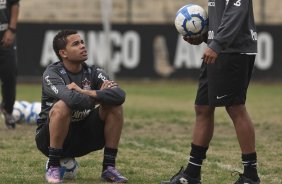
159	118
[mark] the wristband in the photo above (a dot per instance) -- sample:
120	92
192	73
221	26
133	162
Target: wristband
13	30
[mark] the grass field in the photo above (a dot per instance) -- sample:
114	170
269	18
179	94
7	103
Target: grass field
156	138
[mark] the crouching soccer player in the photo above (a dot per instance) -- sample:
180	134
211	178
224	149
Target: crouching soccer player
70	123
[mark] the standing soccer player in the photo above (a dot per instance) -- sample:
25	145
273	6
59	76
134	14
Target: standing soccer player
225	74
70	123
9	10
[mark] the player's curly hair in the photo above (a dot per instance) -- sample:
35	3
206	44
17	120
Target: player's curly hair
60	41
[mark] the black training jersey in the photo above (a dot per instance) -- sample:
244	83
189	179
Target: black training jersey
54	88
231	26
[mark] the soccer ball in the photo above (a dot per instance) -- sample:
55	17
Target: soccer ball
25	111
69	167
191	20
25	106
18	112
32	112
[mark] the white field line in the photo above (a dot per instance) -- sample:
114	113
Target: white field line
220	165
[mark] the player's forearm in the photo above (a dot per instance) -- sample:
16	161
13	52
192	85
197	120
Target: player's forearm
80	102
91	93
14	16
113	96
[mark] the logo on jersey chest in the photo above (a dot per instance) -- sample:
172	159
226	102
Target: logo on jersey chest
86	84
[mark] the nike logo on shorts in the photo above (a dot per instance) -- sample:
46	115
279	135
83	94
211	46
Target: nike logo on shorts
220	97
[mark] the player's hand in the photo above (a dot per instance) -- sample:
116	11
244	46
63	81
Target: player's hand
209	56
194	40
108	84
74	86
8	39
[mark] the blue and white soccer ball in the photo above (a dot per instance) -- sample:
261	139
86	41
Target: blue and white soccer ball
19	111
32	112
69	168
191	20
27	112
26	108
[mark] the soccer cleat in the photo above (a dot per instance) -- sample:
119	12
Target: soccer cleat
244	180
111	174
9	119
182	178
53	175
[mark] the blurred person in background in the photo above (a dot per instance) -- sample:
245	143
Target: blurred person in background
9	10
224	78
70	123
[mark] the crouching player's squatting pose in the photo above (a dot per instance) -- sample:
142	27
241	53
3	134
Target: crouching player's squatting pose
71	124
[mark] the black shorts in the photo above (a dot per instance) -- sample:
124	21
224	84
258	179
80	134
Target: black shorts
225	82
83	137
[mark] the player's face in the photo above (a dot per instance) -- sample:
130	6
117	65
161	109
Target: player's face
75	50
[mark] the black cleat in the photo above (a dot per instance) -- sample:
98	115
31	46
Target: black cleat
9	120
244	180
182	178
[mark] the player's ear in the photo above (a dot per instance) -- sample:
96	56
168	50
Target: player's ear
63	53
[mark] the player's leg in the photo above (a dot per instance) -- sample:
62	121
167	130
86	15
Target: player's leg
102	128
241	70
113	118
204	127
243	126
8	78
59	121
202	135
246	137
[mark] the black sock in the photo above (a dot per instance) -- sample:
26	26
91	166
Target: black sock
197	155
250	165
110	155
54	157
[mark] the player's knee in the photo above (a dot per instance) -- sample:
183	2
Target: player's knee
60	109
236	111
116	111
204	110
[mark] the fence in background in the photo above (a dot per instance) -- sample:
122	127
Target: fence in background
139	51
128	11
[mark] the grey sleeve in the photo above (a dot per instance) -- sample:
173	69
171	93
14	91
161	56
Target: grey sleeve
113	96
55	87
233	17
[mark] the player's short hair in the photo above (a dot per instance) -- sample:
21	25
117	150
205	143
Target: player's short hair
60	41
